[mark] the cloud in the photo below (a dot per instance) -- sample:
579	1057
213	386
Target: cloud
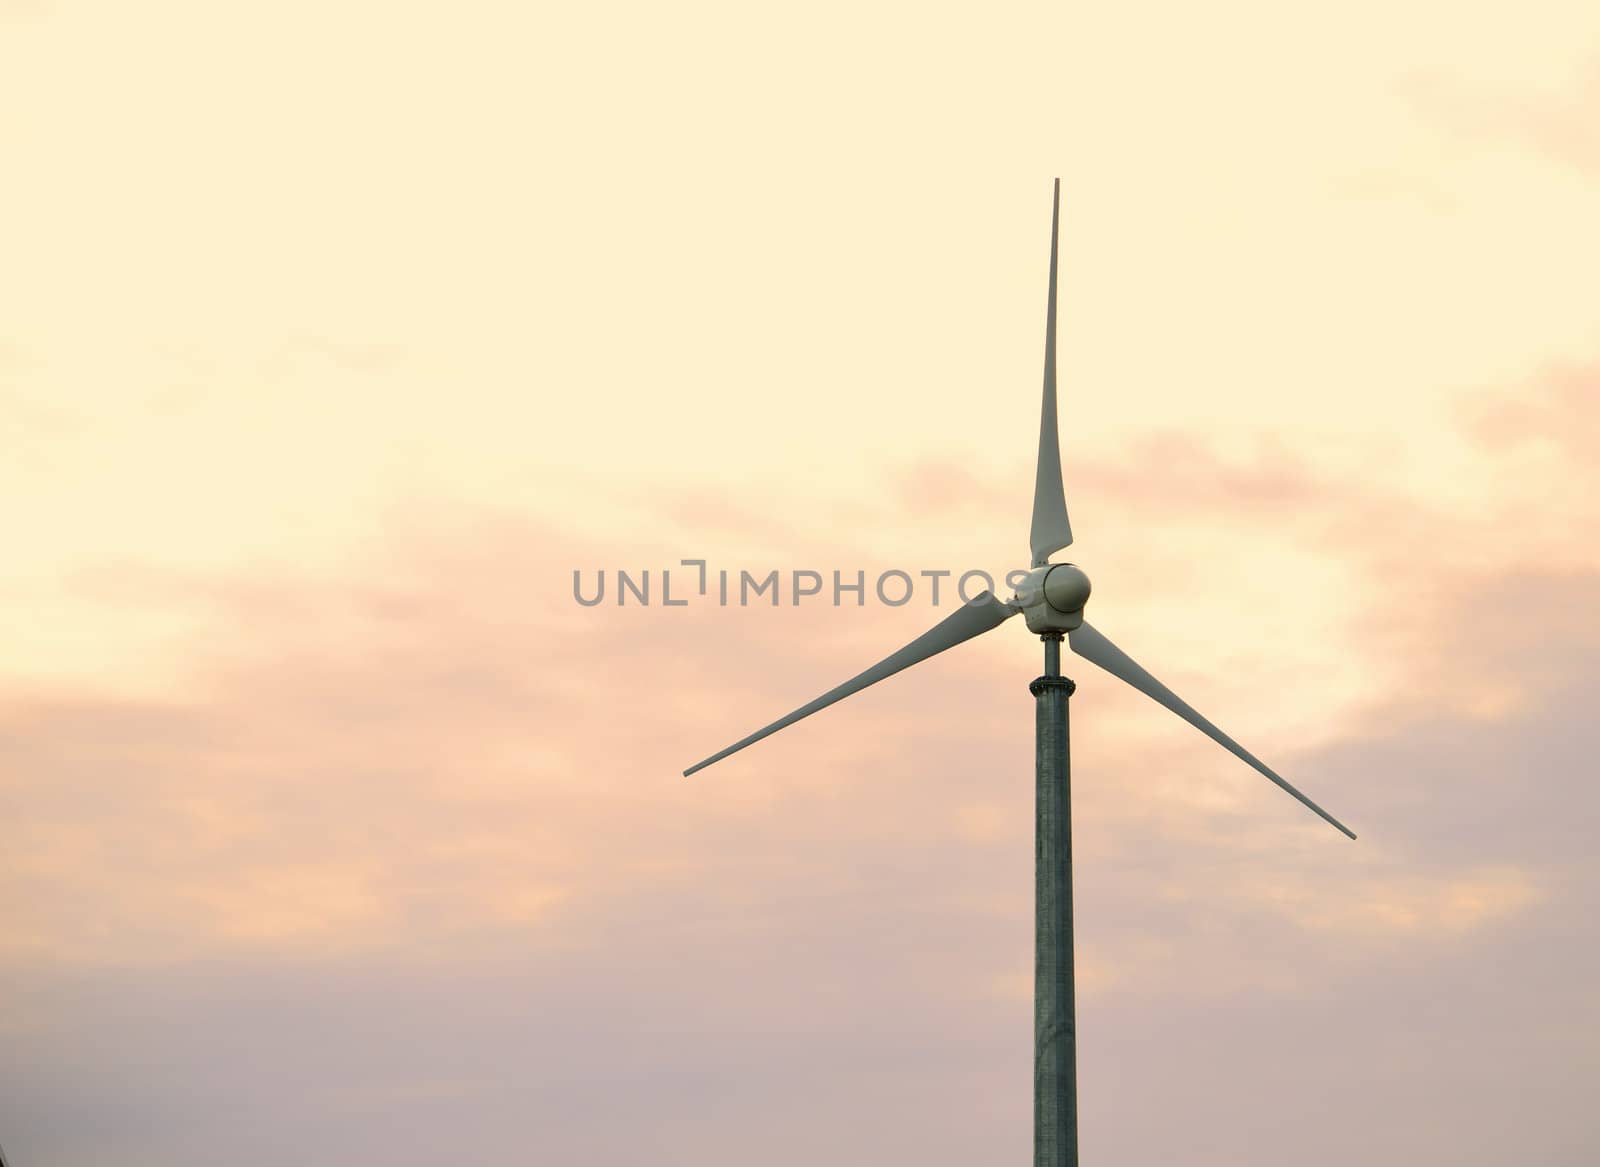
408	862
405	851
1156	469
1559	411
1557	121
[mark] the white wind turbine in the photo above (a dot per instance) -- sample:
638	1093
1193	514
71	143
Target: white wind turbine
1051	600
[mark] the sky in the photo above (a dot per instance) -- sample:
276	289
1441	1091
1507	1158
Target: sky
337	336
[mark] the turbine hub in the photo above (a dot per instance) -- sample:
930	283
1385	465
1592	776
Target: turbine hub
1052	597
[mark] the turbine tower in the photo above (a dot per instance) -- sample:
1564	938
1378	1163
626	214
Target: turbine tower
1051	600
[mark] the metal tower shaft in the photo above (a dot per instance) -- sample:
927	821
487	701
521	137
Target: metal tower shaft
1055	1033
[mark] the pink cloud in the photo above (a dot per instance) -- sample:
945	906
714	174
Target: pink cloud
1559	122
417	839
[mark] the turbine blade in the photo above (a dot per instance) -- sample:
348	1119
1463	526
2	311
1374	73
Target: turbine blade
981	615
1051	531
1092	645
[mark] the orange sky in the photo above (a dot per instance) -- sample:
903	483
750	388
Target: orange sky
337	336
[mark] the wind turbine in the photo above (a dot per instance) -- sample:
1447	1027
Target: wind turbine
1051	600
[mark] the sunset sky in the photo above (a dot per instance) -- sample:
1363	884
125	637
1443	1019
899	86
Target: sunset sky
335	336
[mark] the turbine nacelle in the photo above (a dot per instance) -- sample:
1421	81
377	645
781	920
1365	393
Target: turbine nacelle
1052	598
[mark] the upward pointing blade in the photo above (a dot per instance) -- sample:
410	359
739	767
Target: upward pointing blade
981	615
1092	646
1051	531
